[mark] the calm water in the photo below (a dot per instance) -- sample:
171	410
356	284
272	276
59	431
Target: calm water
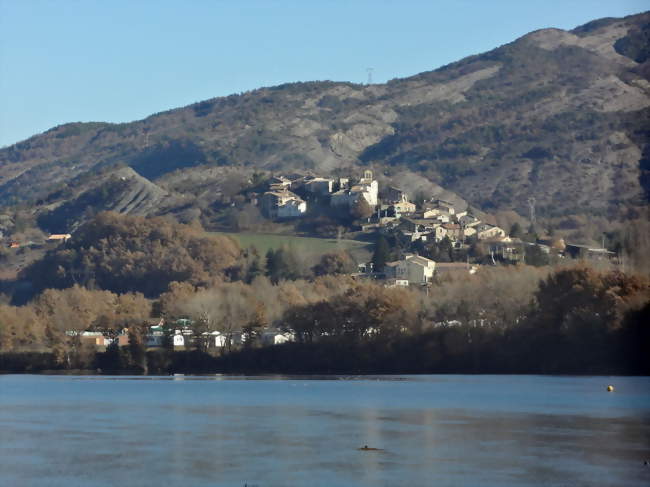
277	431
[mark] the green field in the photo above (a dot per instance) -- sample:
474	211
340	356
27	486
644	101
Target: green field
263	242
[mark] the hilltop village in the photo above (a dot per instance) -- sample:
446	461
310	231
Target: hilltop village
150	294
415	246
429	237
415	236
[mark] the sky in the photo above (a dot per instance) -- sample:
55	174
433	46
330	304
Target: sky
121	60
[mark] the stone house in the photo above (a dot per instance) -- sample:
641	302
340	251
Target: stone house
442	205
485	231
444	217
508	250
282	204
348	197
468	221
587	252
293	208
320	186
469	231
430	212
453	230
280	182
403	208
419	224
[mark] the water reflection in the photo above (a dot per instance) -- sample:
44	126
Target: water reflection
296	432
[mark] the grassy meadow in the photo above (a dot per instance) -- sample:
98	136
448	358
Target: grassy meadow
361	251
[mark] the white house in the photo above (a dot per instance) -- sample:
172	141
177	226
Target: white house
182	338
292	208
348	197
276	337
397	283
96	338
413	268
367	188
179	340
215	339
369	191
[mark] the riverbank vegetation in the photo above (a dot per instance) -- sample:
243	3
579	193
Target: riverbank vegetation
503	319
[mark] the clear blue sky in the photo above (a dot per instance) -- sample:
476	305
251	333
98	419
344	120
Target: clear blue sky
117	61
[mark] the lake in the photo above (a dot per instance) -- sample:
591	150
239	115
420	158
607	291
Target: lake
307	431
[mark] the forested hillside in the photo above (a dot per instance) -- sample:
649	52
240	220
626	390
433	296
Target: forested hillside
112	254
558	115
134	254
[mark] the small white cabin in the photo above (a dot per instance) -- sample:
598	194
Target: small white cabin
276	337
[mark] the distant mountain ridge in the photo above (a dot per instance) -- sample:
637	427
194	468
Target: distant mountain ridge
558	115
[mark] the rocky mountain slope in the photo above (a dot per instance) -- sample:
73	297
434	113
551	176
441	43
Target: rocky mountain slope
558	115
121	190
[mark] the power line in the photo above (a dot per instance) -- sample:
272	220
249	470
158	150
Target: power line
531	207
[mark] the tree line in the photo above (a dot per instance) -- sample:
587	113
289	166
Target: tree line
503	319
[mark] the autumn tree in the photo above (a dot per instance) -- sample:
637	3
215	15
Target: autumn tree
137	347
361	312
22	329
579	310
205	310
334	263
170	303
254	325
124	253
70	312
580	295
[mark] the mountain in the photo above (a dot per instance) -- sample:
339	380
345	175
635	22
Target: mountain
561	116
